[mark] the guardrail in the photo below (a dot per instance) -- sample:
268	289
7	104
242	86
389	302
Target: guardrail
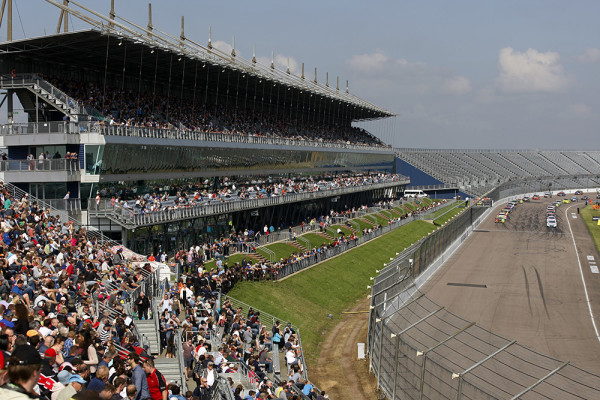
179	134
37	165
454	358
133	218
179	354
270	253
33	128
305	242
21	80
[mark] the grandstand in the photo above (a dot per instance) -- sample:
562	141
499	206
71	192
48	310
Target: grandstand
168	145
135	112
477	171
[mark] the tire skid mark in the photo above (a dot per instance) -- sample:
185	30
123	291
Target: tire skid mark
527	290
541	287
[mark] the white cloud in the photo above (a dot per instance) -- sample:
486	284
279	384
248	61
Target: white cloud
457	85
580	110
224	47
530	71
383	73
281	63
590	55
369	62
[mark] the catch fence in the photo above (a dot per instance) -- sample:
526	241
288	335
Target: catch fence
419	350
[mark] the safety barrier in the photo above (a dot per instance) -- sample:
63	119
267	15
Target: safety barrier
417	349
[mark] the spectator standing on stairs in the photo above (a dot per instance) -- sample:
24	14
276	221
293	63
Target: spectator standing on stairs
157	385
143	305
138	377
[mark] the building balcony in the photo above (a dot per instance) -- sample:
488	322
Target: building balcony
26	171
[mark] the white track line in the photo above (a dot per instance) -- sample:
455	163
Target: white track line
587	297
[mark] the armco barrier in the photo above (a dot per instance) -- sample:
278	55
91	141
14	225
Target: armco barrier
419	350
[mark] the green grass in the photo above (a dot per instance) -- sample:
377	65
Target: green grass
387	213
238	257
587	213
445	209
449	212
281	250
307	298
381	220
315	240
333	230
410	206
363	225
401	210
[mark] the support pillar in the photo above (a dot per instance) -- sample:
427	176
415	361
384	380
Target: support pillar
10	106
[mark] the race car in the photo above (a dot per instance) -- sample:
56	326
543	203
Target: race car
501	218
551	222
535	197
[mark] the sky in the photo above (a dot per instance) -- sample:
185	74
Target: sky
458	74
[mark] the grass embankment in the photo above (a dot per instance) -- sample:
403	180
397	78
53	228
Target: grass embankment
316	240
281	250
587	213
307	298
447	213
238	257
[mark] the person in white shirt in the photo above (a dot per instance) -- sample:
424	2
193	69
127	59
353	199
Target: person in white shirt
166	304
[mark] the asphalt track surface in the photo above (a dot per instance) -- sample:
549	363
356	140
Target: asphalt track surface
524	281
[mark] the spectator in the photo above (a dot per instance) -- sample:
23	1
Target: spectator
76	383
157	385
138	377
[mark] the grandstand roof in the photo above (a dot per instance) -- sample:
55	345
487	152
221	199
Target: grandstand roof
88	50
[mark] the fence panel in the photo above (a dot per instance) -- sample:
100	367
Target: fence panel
418	350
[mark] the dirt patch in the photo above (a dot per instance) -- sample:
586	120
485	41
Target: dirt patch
337	369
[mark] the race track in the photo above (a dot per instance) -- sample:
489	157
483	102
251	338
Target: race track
523	281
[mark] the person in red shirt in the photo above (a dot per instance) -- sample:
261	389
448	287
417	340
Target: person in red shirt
157	385
151	258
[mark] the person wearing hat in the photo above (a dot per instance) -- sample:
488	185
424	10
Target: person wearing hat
209	374
23	372
63	380
49	368
75	385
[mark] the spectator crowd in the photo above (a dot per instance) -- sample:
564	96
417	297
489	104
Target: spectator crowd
129	107
195	195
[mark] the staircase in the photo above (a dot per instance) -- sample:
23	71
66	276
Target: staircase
147	328
297	245
169	367
45	92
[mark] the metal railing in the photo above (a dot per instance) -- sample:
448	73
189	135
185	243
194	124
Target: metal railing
37	165
92	234
418	349
221	390
179	356
270	253
22	80
134	218
32	128
180	134
305	242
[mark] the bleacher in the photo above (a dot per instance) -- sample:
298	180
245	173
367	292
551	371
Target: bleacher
477	171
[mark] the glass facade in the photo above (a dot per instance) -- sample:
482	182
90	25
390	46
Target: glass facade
55	151
49	190
120	159
93	159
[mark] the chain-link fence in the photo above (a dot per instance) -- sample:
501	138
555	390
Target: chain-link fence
419	350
